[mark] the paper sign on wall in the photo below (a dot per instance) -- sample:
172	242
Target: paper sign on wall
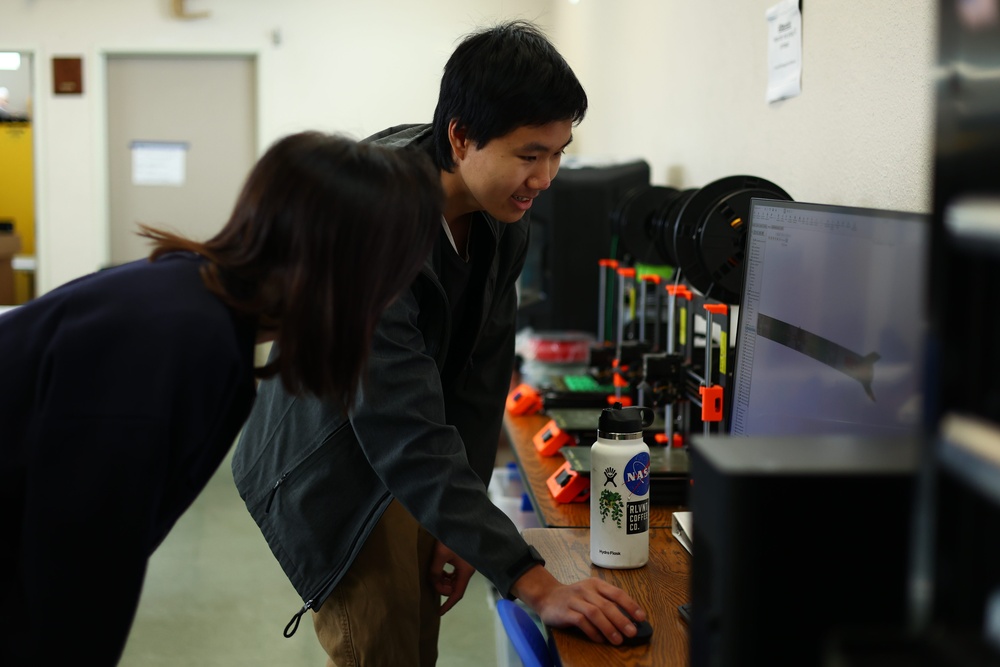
784	50
158	162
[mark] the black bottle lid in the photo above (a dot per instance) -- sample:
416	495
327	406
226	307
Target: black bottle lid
617	419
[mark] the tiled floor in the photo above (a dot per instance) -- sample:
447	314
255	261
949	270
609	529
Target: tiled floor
215	596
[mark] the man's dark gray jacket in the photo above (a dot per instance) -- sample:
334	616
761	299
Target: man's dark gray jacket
317	481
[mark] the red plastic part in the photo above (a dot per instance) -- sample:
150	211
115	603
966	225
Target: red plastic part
717	308
679	290
661	439
568	486
626	401
524	400
554	348
711	403
551	439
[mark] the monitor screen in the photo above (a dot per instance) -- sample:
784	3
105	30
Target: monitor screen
832	321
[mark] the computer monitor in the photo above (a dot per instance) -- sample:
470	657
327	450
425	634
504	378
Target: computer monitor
832	321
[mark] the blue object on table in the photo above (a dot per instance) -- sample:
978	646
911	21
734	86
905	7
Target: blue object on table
527	638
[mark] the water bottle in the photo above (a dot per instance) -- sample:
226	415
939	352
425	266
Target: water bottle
619	489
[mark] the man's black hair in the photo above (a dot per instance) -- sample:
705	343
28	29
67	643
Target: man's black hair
502	78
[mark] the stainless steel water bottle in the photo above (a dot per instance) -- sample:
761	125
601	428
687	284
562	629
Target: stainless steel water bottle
619	489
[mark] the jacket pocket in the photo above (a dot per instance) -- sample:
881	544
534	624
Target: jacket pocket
304	467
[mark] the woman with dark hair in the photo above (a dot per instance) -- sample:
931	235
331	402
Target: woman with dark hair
121	392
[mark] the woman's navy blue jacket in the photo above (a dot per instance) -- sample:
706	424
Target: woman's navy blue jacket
120	395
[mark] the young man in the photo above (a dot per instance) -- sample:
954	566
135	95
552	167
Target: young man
377	512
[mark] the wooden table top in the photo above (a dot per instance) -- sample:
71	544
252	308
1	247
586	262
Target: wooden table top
536	470
659	587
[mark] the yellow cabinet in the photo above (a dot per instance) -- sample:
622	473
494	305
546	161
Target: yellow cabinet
17	195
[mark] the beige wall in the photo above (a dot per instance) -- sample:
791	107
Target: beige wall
683	85
680	84
336	65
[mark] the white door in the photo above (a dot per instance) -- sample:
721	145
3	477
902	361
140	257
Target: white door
181	140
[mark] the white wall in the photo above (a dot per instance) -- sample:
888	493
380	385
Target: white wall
340	65
683	85
680	84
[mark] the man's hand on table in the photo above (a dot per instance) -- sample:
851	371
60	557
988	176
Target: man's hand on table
592	605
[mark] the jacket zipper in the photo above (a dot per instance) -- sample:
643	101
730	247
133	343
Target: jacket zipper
274	492
293	624
284	475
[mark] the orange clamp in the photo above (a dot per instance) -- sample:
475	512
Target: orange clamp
711	403
551	439
568	486
678	441
627	272
617	376
626	401
608	263
717	308
523	400
683	291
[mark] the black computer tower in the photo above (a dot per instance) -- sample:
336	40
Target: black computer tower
798	541
956	577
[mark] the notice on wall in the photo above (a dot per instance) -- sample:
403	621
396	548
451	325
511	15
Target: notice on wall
159	162
784	50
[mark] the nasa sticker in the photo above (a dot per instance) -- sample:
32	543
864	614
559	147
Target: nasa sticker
637	474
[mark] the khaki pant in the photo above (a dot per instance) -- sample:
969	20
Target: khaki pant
384	611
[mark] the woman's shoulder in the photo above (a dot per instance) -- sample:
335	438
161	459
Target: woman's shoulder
164	300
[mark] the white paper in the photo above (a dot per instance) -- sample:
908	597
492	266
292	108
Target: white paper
681	524
784	50
158	162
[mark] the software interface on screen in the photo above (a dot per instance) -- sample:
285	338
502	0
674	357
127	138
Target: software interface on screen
832	321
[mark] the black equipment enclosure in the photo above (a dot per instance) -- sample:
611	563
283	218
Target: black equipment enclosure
700	231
